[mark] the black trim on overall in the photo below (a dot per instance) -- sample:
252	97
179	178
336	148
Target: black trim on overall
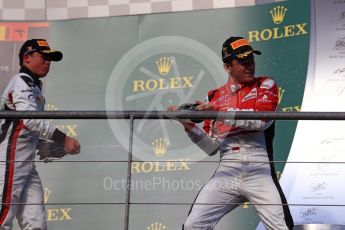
4	129
30	82
8	157
269	135
5	126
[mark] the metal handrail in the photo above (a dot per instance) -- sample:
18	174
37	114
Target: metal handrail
243	115
132	115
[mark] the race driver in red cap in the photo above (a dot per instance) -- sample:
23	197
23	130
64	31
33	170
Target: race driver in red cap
245	172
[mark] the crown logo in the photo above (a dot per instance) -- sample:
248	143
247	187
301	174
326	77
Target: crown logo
278	14
50	107
280	94
46	194
156	226
160	146
164	65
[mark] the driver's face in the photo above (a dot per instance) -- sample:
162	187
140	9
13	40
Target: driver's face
241	71
38	63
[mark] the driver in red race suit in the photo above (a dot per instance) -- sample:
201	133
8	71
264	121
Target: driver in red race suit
245	172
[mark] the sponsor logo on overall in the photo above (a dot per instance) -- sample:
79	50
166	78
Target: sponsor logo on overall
252	94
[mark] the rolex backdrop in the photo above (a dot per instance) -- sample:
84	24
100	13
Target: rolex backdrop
149	63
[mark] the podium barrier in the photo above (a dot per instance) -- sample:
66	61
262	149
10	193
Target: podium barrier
134	115
319	227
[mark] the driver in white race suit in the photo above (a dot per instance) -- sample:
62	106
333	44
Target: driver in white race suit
21	191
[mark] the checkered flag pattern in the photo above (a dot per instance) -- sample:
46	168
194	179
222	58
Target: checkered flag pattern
38	10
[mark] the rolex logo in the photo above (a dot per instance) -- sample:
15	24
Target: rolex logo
164	65
278	14
46	194
160	146
156	226
56	214
280	94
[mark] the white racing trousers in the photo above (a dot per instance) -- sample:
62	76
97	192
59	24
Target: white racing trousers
235	183
21	190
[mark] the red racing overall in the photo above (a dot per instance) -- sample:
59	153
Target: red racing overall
240	142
